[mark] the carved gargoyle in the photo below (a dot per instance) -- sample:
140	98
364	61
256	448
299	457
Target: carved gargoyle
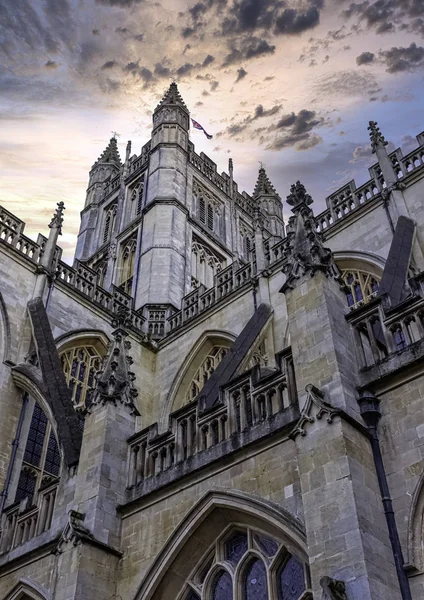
333	589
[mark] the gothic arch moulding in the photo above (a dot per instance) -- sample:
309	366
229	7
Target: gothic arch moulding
360	260
4	332
196	534
191	363
416	528
82	337
28	590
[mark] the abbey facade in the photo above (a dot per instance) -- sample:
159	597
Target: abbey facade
216	401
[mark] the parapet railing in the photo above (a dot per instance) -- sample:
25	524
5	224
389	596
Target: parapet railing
380	332
20	523
199	300
244	404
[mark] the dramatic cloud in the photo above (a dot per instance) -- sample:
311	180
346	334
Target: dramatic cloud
249	48
345	83
109	65
51	64
383	15
403	59
365	58
296	130
208	60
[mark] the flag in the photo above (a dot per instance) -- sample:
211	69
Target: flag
197	125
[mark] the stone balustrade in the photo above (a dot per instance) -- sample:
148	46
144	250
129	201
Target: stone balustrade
245	403
20	523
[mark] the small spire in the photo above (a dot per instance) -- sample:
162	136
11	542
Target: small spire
110	154
115	382
377	138
263	185
57	219
298	196
305	251
172	96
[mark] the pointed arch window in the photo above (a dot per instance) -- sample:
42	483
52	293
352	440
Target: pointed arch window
80	364
205	264
207	208
128	249
204	372
109	223
249	565
361	287
136	199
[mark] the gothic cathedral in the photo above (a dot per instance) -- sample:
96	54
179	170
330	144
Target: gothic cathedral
216	401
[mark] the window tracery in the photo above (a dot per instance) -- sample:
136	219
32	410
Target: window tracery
361	287
41	461
128	249
207	207
205	264
109	223
79	365
249	565
246	239
204	372
136	199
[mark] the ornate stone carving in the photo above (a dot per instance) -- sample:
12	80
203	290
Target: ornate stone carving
114	383
377	138
73	532
57	218
315	397
305	251
333	589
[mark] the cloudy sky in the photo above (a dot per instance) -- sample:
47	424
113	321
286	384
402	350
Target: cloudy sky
292	83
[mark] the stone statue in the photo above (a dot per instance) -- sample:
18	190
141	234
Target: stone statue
333	589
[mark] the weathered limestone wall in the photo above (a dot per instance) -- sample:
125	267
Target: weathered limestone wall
269	473
401	432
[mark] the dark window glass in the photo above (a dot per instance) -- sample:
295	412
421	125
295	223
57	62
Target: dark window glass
291	580
374	286
222	588
35	441
210	217
358	292
26	486
238	415
400	339
215	432
192	596
202	210
268	546
255	584
235	547
52	464
350	300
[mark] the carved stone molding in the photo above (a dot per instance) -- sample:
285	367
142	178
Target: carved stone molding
315	397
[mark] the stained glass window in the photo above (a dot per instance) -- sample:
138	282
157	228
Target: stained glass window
292	580
222	588
35	440
26	485
256	560
361	287
255	582
268	546
80	364
41	461
235	547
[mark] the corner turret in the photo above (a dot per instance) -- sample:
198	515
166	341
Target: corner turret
269	203
107	165
171	119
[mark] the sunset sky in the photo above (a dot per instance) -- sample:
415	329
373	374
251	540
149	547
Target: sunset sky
292	83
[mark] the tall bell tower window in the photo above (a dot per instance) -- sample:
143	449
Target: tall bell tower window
109	223
127	265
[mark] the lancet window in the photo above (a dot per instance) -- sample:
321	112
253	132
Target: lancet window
361	287
136	199
80	364
41	461
203	373
205	264
101	269
109	223
249	565
128	249
207	208
246	237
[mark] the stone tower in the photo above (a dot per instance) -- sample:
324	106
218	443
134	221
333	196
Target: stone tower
212	403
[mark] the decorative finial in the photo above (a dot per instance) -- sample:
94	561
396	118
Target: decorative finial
115	382
115	135
298	195
262	165
377	138
57	219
